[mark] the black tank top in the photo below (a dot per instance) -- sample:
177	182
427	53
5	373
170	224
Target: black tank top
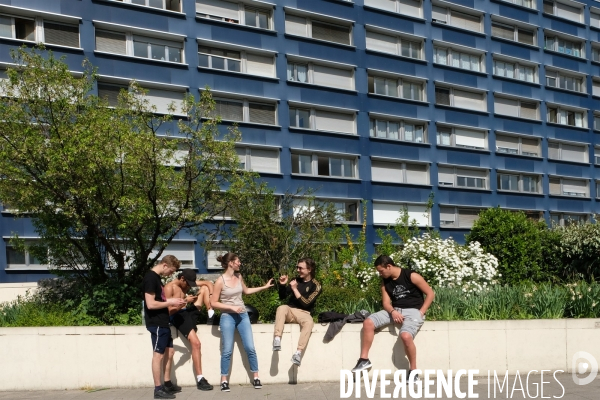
402	292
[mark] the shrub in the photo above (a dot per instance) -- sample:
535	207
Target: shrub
580	247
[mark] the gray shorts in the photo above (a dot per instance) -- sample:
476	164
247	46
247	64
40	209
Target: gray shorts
412	320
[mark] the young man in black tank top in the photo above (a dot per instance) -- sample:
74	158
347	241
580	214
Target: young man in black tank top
402	293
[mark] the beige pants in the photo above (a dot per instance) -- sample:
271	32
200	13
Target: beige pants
287	314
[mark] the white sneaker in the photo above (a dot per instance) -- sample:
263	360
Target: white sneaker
277	343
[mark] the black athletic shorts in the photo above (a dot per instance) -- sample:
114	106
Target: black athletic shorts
161	338
185	321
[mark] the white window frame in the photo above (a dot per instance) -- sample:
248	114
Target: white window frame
243	60
559	108
310	72
564	218
519	145
595	53
398	207
400	83
310	19
557	12
39	29
212	254
597	155
561	76
343	208
247	150
515	28
448	16
402	132
147	4
453	53
313	117
585	195
521	3
520	181
451	89
486	180
241	18
121	83
519	102
28	265
456	216
314	164
400	39
402	170
397	7
246	107
518	67
560	144
568	40
452	136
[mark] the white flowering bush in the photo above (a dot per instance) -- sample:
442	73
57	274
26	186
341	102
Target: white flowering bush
445	263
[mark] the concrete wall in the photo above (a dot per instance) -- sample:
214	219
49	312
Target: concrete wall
73	357
10	291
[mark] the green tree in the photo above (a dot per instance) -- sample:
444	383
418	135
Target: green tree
515	240
107	188
580	248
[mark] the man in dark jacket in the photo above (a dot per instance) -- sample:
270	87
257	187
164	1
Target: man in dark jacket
302	292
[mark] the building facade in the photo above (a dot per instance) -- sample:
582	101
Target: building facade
481	103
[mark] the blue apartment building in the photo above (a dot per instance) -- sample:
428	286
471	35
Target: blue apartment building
483	103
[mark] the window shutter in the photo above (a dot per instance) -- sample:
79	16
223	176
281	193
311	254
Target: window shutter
219	8
295	25
6	27
469	138
447	216
502	31
262	113
419	214
417	174
553	151
472	173
334	121
555	186
386	172
595	20
507	142
442	96
241	153
575	186
596	88
334	77
264	160
162	98
470	100
569	12
259	65
110	93
525	36
528	110
383	43
65	35
530	147
331	33
466	218
229	110
184	251
388	5
506	106
446	176
385	213
410	7
466	21
439	14
111	42
574	153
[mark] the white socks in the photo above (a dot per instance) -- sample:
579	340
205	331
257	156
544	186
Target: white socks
211	312
198	377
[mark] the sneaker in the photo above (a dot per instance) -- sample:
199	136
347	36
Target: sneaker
162	394
416	376
257	384
363	363
172	389
277	344
210	320
225	386
204	385
296	359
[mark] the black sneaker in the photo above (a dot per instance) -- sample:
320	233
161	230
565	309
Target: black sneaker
210	320
225	386
416	376
363	363
172	389
162	394
257	384
204	385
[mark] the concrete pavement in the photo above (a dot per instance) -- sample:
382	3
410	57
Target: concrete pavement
326	391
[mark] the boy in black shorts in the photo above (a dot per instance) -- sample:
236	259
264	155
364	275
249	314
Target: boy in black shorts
157	322
184	319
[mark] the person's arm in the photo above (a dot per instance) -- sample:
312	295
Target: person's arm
152	304
387	305
216	304
419	282
307	301
247	290
171	292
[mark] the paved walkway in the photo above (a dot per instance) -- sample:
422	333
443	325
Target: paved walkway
321	391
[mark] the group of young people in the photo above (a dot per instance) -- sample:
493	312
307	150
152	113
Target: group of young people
406	296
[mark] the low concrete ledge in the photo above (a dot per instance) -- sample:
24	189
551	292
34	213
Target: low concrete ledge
119	356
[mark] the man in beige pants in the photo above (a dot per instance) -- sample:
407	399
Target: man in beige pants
302	292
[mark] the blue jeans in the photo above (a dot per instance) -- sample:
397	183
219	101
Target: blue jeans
229	323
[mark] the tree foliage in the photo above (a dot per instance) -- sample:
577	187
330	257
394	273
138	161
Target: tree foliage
580	248
107	188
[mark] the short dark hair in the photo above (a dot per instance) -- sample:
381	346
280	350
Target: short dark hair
310	263
384	260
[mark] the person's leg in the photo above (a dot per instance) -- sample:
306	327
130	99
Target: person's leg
245	330
168	363
157	363
410	349
227	325
203	298
161	343
281	317
196	352
409	329
306	325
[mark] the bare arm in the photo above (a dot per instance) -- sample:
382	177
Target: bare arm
216	295
247	290
152	304
172	292
419	282
397	317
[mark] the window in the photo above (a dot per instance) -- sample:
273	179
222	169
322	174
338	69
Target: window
523	3
566	10
322	120
317	74
139	46
17	259
456	18
346	211
454	217
458	59
515	70
399	172
396	87
564	46
241	110
564	81
234	60
597	122
562	116
461	137
413	8
398	45
594	19
159	99
398	130
516	182
169	5
215	251
39	30
315	29
517	145
567	152
516	108
597	155
595	54
514	33
564	219
462	177
454	97
183	250
569	187
234	13
388	213
258	160
324	165
595	87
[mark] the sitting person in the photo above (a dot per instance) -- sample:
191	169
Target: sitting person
302	292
